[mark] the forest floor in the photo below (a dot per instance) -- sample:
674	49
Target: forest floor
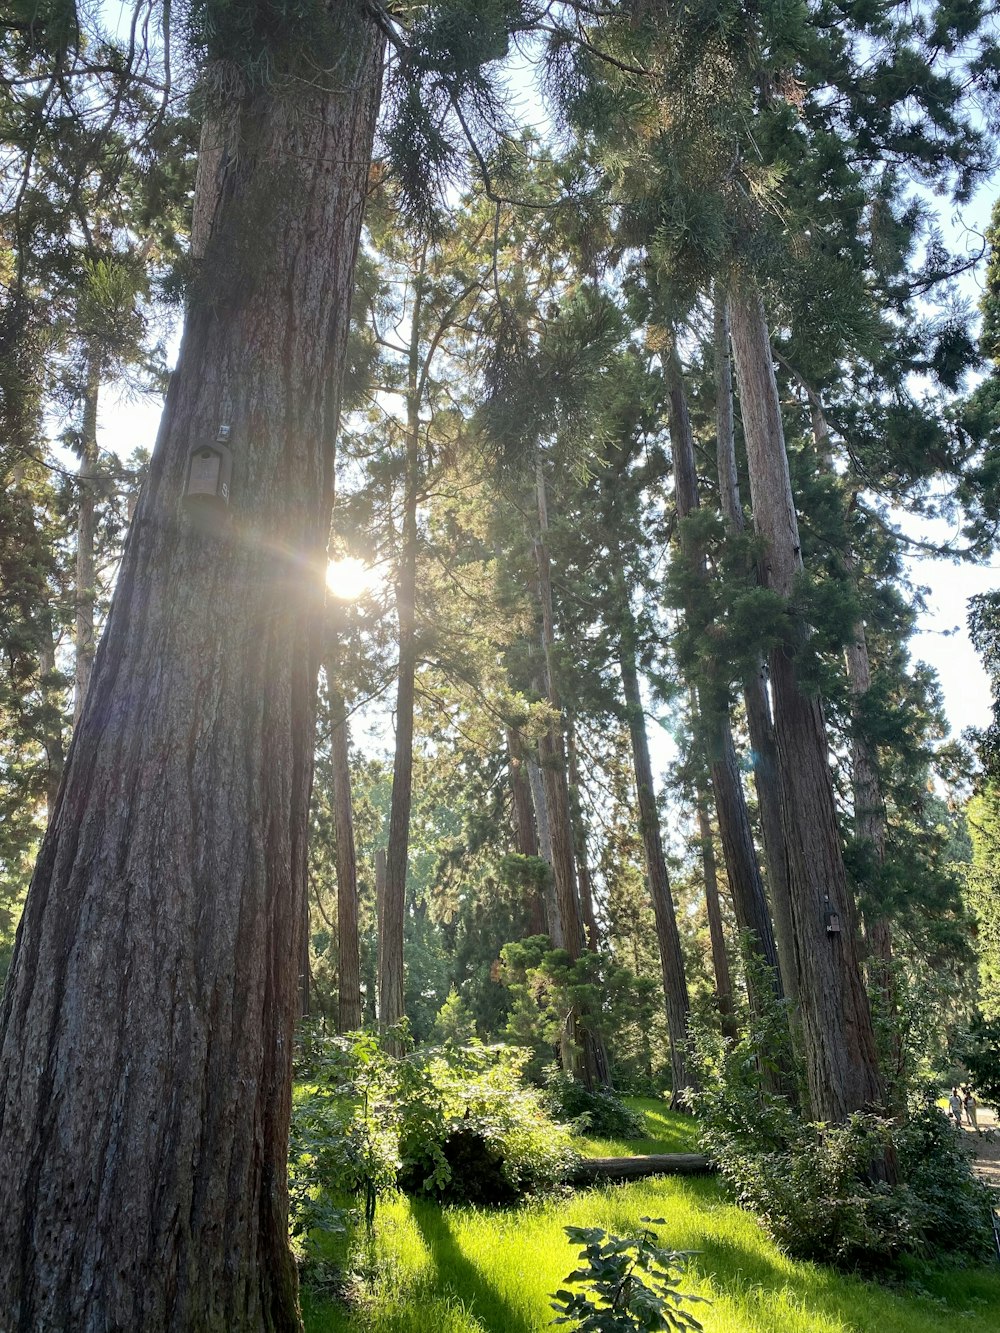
428	1269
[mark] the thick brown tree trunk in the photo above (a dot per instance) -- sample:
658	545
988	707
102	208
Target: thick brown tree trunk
838	1038
667	936
348	949
86	539
713	909
764	752
146	1026
742	867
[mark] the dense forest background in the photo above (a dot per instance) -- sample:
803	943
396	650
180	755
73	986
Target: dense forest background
649	398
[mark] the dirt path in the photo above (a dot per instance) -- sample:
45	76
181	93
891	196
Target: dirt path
986	1147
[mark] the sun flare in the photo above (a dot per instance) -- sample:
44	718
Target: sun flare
348	578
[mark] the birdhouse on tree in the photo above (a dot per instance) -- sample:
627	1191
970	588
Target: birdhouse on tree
209	473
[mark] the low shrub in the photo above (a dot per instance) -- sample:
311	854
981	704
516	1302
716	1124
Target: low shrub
820	1190
625	1284
600	1113
456	1123
474	1131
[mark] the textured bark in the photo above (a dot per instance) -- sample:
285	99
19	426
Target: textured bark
348	949
675	991
145	1030
838	1038
764	753
525	834
742	867
720	959
86	540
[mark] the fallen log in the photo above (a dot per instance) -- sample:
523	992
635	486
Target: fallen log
591	1169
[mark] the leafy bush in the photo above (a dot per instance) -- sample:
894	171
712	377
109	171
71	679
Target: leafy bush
455	1123
630	1285
600	1113
338	1148
819	1189
471	1129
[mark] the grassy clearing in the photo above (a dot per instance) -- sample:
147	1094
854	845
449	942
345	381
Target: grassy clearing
468	1270
666	1131
465	1270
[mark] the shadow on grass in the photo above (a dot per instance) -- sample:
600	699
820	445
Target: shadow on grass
459	1275
847	1298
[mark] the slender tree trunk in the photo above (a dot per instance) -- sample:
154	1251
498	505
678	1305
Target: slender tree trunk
380	860
146	1025
580	842
675	991
552	753
594	1068
541	809
348	949
870	825
525	834
742	867
763	747
838	1038
86	538
391	1005
713	908
52	733
49	686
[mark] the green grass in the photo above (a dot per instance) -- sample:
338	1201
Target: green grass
468	1270
666	1131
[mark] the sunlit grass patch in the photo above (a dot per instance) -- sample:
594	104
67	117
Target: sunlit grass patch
468	1270
666	1131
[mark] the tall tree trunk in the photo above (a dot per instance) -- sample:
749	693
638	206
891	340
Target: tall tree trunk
86	538
668	939
870	825
52	732
390	995
742	867
146	1025
348	949
713	909
594	1068
541	809
838	1037
580	841
49	685
525	834
552	754
763	747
